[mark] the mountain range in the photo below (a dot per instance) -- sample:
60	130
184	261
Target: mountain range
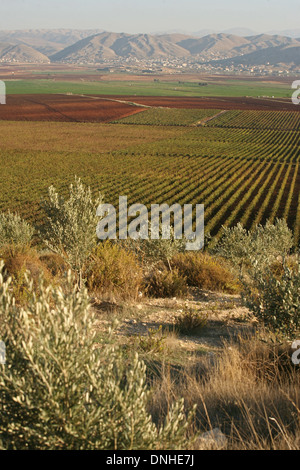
46	41
21	53
94	46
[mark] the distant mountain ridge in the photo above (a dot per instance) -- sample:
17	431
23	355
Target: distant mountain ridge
284	55
46	41
110	45
95	46
175	45
21	53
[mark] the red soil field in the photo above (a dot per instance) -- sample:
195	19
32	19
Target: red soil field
63	108
106	108
228	103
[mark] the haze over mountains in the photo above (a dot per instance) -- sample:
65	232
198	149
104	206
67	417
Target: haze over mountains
46	41
292	33
96	46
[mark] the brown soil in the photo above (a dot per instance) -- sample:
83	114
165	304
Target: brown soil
105	108
225	103
226	318
64	108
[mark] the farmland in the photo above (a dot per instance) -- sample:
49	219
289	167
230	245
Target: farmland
181	313
243	165
96	108
163	86
61	79
64	108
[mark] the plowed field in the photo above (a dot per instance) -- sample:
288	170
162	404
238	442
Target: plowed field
64	108
106	108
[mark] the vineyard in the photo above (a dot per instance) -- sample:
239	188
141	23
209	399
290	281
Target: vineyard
168	117
243	165
282	120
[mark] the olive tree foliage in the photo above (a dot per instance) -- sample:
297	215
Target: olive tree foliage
61	390
69	227
153	251
275	300
262	245
270	279
14	230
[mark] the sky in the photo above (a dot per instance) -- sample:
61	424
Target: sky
150	16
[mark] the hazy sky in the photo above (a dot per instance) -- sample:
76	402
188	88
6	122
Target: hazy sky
134	16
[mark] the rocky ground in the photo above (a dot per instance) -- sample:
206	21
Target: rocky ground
225	316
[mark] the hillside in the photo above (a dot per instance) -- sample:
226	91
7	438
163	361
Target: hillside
46	41
144	46
214	44
280	55
21	53
108	45
94	47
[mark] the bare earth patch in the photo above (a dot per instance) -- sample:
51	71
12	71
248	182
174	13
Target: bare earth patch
226	319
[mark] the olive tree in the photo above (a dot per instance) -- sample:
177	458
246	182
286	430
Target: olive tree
14	230
261	245
69	227
60	389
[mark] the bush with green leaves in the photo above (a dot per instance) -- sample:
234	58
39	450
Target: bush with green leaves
69	228
155	251
61	390
191	321
261	245
153	342
275	300
14	230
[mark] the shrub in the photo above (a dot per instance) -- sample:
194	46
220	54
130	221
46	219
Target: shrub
263	245
57	391
165	283
159	251
275	299
153	342
203	271
190	321
278	266
70	225
113	270
19	262
54	263
14	230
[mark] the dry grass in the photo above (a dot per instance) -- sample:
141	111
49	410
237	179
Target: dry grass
248	388
113	273
164	283
250	391
206	272
20	261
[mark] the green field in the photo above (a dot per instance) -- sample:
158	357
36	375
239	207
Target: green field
150	88
241	174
